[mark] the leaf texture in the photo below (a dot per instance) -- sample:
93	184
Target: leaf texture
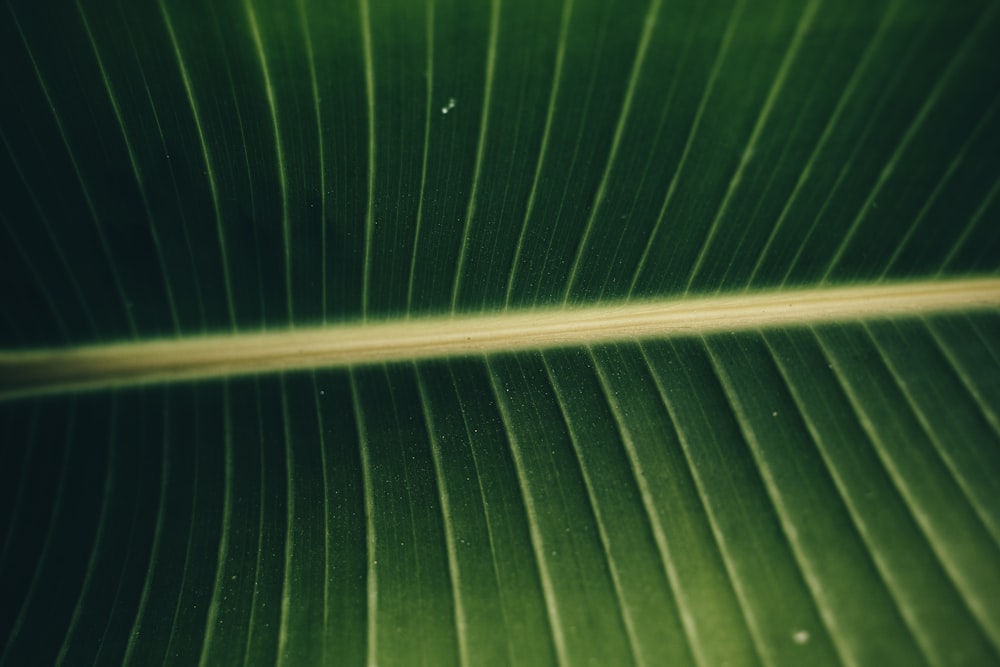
817	491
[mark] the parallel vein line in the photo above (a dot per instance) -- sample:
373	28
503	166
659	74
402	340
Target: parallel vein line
366	38
746	612
773	488
327	516
720	57
984	122
491	529
173	636
988	411
30	444
181	217
209	169
491	58
321	149
121	604
885	572
450	540
911	130
263	490
91	209
428	104
599	520
805	21
688	621
543	149
212	617
133	161
988	341
371	582
569	171
418	592
279	152
654	157
52	238
286	585
973	223
843	102
933	436
963	581
537	541
110	482
37	278
633	81
158	536
245	152
885	97
50	531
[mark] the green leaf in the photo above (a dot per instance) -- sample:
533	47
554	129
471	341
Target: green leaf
556	332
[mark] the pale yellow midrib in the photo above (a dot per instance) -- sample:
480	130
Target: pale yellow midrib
46	371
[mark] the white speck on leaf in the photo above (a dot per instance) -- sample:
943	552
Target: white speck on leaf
800	637
448	107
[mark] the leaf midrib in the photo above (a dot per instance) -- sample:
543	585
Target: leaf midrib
46	371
